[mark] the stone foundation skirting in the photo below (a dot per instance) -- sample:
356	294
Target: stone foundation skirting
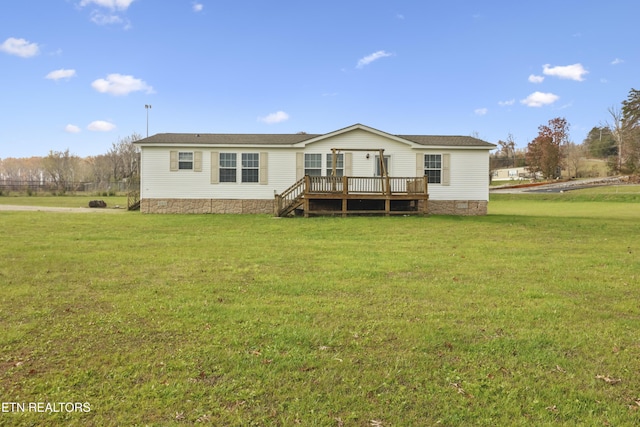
457	207
229	206
206	206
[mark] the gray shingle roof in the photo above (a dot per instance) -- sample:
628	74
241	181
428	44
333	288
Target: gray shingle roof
225	139
447	140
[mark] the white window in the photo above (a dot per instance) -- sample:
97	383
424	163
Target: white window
313	164
227	167
185	160
250	167
433	168
339	164
386	165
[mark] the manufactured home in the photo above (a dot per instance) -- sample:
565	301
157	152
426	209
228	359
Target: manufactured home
354	170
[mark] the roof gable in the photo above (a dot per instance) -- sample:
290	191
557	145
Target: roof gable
352	128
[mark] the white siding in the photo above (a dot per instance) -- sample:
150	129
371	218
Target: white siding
469	169
468	174
159	182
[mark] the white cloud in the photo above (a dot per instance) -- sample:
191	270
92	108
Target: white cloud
400	16
538	99
617	61
60	74
101	126
373	57
277	117
506	103
72	129
118	84
197	7
102	19
571	72
19	47
480	111
110	4
536	79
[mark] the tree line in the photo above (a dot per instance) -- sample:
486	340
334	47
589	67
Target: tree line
64	171
617	142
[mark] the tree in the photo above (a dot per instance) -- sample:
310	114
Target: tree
124	158
508	150
544	153
574	158
61	167
630	127
600	143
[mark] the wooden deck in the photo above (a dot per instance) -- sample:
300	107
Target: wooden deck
350	195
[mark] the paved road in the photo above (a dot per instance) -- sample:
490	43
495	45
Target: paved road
558	187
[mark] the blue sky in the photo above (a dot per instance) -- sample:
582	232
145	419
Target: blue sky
77	74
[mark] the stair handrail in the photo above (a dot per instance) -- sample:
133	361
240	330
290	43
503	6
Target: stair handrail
290	195
133	199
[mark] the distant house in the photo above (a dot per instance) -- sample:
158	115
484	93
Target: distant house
357	169
513	174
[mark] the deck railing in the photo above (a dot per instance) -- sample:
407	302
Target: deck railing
349	187
289	197
366	185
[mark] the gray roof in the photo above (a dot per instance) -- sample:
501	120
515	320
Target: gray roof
291	139
226	138
453	140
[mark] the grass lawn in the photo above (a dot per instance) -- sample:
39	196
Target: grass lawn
527	316
71	201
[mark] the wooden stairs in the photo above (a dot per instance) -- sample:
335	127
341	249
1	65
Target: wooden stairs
290	199
133	201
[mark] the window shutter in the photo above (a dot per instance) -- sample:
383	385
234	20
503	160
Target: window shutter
446	161
197	161
419	164
299	166
264	163
215	174
348	164
173	161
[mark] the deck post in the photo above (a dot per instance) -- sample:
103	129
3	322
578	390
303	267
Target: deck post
425	201
307	187
278	207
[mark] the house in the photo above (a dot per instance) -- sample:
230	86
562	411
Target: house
357	169
512	174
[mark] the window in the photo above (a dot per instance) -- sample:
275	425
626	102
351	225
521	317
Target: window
433	168
227	167
339	164
386	165
185	160
250	167
313	164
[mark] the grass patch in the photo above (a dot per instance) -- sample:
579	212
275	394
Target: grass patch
526	316
71	201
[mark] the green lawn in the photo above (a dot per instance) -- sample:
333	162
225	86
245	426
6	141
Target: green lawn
71	201
527	316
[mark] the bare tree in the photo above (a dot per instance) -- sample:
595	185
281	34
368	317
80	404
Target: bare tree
61	167
123	157
617	131
574	156
508	150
